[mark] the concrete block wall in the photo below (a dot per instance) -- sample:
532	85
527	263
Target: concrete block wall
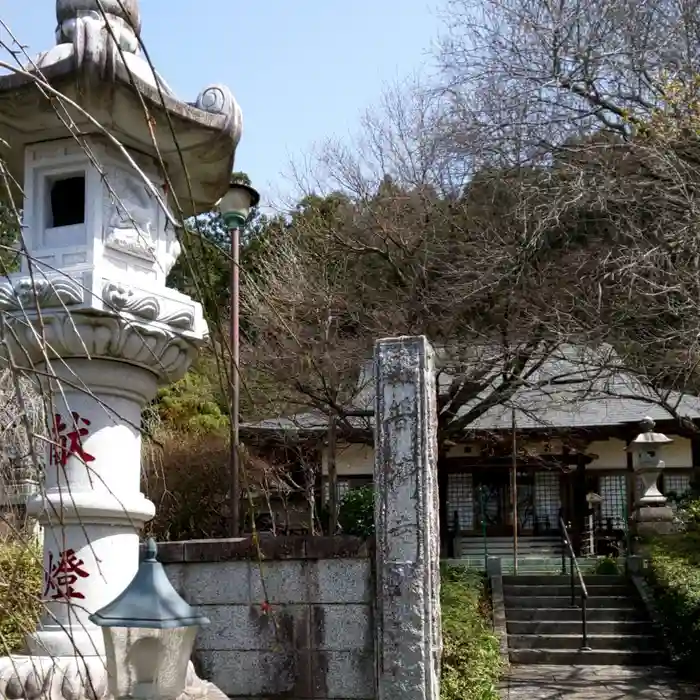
317	638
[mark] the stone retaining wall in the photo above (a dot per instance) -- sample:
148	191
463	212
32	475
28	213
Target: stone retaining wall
317	638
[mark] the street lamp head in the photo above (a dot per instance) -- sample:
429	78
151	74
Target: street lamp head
236	204
149	633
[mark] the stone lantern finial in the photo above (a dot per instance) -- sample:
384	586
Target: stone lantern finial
124	17
647	424
127	10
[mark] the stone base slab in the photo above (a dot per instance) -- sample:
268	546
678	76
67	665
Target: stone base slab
75	678
653	520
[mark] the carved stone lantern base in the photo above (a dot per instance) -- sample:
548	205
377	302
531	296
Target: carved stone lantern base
75	678
651	521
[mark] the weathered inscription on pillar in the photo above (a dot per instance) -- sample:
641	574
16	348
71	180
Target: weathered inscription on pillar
408	640
63	573
68	439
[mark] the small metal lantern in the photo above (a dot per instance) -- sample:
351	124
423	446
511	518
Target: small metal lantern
149	633
236	204
647	462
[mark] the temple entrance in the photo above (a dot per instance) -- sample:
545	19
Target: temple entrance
492	502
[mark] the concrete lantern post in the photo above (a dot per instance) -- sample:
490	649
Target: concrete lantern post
90	310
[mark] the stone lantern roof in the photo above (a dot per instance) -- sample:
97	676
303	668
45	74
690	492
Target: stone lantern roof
97	63
649	437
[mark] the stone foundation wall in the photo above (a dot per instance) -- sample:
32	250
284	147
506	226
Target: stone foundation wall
317	638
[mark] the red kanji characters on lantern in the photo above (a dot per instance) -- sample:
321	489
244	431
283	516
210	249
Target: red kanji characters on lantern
69	444
62	575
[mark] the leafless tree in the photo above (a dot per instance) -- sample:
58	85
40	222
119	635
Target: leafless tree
529	74
601	100
577	231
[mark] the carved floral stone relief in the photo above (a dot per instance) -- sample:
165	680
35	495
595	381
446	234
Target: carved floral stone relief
130	215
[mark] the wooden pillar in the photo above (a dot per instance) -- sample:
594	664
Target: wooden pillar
446	534
631	482
695	449
580	506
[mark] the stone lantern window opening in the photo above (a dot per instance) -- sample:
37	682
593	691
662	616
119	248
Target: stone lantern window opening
60	189
66	201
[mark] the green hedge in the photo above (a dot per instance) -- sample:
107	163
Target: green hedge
674	574
21	577
471	662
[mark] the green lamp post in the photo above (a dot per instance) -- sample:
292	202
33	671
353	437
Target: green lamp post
235	207
149	633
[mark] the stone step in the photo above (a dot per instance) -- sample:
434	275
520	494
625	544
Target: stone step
541	602
536	625
502	541
504	550
602	657
615	642
539	566
559	580
569	614
506	545
595	590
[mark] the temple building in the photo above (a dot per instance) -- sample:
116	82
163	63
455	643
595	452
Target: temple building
558	442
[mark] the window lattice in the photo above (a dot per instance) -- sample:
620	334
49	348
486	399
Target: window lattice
547	499
460	498
526	503
342	488
613	489
676	484
669	484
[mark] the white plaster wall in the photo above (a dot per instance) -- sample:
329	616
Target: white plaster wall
469	450
358	460
352	460
612	454
679	453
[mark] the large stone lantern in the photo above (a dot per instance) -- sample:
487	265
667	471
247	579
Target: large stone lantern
106	177
652	515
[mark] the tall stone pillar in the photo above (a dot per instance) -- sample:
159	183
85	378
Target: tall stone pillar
408	641
90	313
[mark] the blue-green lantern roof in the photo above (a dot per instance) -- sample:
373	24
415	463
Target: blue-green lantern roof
149	601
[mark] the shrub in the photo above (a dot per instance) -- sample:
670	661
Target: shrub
471	661
674	574
607	567
21	577
192	405
356	512
187	476
688	512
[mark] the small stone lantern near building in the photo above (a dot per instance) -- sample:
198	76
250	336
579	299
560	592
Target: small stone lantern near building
593	500
149	633
652	514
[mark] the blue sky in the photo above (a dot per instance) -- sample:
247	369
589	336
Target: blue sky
301	71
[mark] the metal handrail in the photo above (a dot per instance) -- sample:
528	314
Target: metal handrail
573	565
483	527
